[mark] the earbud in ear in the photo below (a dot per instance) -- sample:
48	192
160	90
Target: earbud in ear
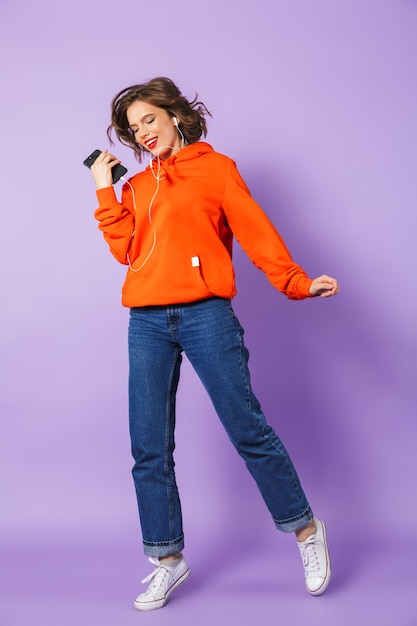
174	119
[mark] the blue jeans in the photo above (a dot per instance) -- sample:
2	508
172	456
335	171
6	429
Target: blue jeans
209	333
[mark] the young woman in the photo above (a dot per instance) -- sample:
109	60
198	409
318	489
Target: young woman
173	229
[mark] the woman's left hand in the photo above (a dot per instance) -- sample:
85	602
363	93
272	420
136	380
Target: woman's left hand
324	286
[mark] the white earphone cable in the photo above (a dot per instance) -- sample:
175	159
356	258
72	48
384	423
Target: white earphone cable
157	178
151	223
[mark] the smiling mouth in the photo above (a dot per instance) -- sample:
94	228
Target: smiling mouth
151	143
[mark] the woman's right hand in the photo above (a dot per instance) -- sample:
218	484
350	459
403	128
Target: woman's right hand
102	168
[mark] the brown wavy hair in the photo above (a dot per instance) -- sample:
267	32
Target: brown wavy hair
163	93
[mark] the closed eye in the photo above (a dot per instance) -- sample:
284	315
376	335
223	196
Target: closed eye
134	131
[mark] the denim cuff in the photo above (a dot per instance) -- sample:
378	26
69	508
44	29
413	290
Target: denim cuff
297	523
165	548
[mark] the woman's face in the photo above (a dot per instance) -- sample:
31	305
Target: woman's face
153	129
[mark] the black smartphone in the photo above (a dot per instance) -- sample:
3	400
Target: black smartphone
117	171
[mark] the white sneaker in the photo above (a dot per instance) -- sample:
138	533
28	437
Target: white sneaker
163	581
316	560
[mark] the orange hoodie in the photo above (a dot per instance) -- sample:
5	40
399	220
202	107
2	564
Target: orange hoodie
180	243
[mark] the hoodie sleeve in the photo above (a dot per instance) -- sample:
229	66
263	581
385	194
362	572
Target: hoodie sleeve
116	221
260	239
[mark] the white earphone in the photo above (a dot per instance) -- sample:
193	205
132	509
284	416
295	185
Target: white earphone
174	119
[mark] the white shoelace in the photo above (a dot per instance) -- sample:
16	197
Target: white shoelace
309	555
157	577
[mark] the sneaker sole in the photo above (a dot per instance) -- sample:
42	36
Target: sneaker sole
158	604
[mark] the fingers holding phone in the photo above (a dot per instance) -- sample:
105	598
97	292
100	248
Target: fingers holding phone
105	167
102	169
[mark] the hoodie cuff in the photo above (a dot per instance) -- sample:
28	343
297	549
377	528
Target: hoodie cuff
106	196
301	289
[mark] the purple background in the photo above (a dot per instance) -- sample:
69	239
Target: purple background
316	101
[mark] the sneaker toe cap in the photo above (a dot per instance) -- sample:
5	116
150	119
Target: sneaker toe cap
316	584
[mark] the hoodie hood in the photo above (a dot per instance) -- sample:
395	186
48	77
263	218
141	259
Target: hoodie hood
189	152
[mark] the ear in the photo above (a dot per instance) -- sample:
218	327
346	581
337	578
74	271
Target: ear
174	119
